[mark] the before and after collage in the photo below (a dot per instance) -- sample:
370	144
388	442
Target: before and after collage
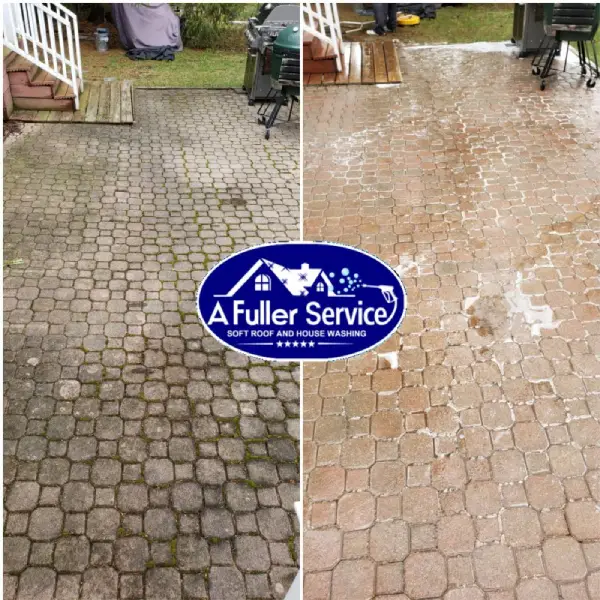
301	301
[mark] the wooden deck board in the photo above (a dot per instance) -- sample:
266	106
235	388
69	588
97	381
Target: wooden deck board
342	78
55	115
104	104
392	63
329	78
315	79
91	113
116	107
381	75
126	102
79	115
363	63
115	102
42	115
355	75
368	68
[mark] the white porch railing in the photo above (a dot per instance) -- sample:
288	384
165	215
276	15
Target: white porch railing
321	20
46	34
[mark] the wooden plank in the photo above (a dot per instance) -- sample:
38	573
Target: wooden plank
21	115
39	77
9	59
126	102
104	104
30	116
321	51
115	102
329	78
320	66
379	63
92	107
317	49
342	78
55	115
64	91
42	104
368	69
355	75
79	115
392	62
43	115
30	91
315	79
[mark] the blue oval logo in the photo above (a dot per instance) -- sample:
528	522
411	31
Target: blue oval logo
301	301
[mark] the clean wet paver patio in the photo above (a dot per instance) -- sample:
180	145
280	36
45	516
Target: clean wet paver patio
142	458
461	459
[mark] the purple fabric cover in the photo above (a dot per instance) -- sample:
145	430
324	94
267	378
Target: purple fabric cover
147	25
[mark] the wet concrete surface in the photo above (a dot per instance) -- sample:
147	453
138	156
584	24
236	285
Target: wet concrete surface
461	459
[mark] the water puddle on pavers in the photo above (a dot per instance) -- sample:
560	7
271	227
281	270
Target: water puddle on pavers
498	316
537	317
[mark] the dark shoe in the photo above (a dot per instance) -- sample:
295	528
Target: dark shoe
379	30
391	27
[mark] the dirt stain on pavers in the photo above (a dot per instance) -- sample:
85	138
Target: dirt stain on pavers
143	459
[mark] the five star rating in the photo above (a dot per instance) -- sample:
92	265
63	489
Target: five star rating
295	344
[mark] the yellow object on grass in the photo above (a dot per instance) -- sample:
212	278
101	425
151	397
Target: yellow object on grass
404	20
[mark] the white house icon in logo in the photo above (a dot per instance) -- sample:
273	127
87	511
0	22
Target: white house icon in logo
264	276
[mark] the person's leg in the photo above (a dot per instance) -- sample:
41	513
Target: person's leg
380	11
391	16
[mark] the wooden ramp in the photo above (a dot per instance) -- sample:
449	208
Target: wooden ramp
100	102
364	63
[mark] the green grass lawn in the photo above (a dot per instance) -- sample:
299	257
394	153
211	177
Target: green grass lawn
591	55
191	68
453	25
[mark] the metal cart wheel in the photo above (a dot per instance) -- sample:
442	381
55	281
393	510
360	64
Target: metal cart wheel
543	85
267	134
591	83
536	71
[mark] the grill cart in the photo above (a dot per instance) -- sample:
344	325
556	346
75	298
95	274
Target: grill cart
261	32
569	23
528	28
285	77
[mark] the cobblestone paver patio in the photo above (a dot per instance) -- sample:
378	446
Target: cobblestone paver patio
142	458
461	460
